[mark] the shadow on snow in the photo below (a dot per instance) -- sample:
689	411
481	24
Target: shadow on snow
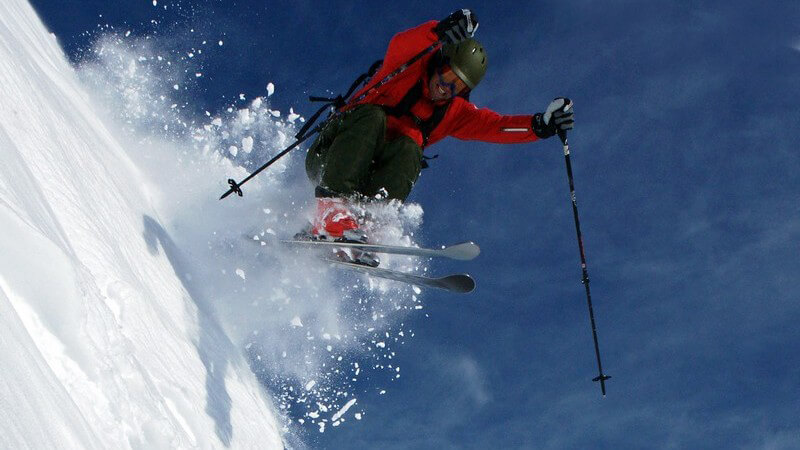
212	344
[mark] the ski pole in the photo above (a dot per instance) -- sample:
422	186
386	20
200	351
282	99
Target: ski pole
585	280
237	187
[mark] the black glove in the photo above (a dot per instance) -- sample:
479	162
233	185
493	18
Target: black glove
457	27
557	117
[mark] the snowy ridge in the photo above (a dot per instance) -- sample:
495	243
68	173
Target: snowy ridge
317	337
103	343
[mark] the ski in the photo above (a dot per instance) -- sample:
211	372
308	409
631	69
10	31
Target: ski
457	283
463	251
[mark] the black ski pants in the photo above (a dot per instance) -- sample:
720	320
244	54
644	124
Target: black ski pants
351	156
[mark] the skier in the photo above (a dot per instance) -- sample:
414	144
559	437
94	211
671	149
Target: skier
373	148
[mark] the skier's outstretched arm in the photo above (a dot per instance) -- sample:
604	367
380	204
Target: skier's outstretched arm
474	124
483	124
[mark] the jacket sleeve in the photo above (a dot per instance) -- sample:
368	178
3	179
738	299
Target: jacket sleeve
473	124
406	44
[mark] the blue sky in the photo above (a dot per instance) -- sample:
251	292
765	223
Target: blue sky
685	155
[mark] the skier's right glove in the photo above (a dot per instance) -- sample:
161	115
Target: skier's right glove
457	27
557	117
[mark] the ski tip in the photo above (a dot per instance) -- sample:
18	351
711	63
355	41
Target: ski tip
461	283
463	251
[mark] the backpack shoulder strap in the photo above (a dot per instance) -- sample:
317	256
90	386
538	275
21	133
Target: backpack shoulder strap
339	101
403	107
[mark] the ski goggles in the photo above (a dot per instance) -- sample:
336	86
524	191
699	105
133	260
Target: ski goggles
449	79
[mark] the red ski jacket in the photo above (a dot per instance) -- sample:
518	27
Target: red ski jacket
463	120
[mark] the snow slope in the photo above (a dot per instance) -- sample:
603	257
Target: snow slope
320	339
103	343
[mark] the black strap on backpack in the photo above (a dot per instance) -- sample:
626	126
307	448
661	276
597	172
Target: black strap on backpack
339	101
403	108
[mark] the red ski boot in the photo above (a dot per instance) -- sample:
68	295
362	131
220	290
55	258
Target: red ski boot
334	221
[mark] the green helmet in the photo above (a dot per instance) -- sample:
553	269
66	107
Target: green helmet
468	60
